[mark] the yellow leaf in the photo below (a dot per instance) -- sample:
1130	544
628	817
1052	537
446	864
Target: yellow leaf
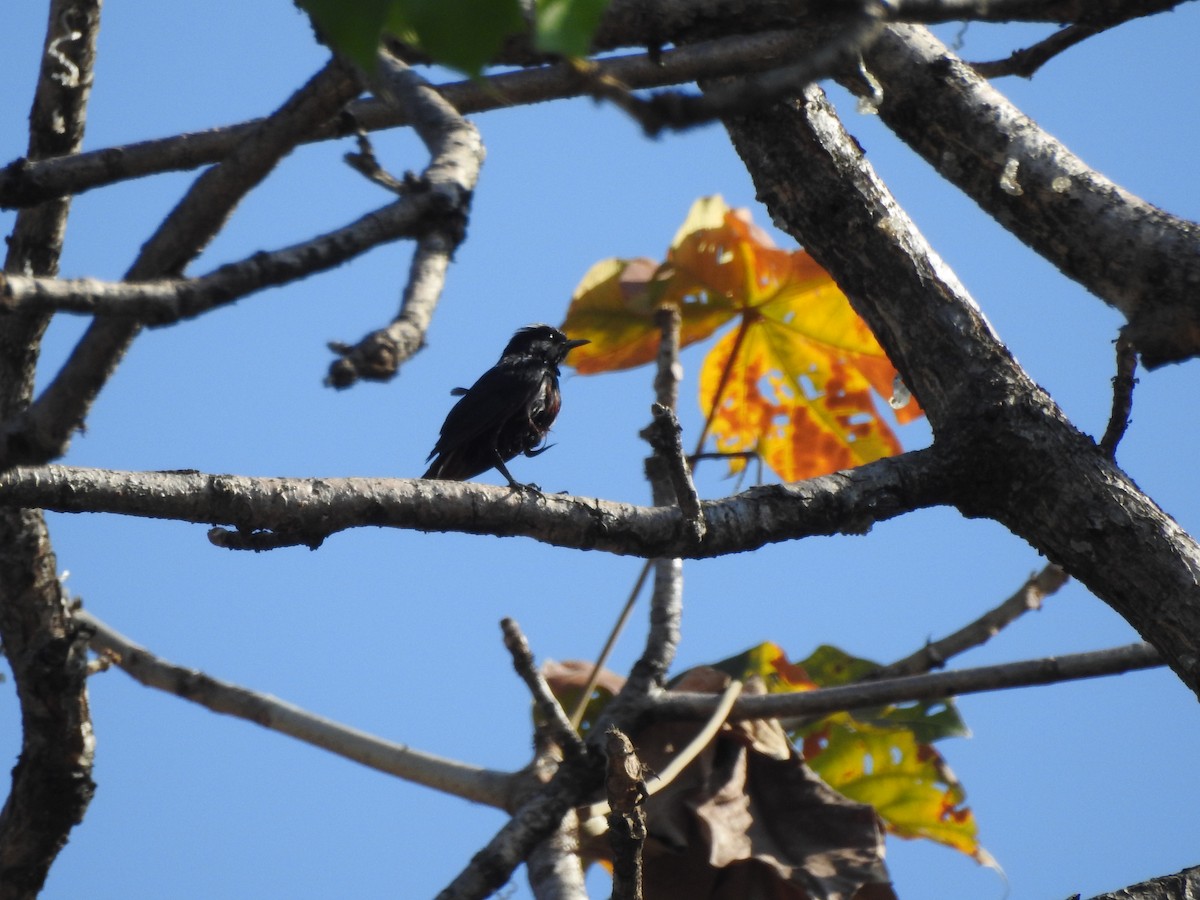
908	783
767	661
806	409
792	383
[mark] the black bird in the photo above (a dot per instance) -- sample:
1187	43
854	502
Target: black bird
508	411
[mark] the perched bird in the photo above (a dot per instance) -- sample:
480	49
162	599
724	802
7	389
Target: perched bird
508	411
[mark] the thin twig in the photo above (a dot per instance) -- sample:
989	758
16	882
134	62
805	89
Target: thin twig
1025	62
451	777
933	686
1122	402
609	643
543	698
935	654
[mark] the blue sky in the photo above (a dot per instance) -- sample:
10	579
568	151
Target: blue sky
1083	787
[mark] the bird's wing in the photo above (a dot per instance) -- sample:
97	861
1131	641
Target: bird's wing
499	394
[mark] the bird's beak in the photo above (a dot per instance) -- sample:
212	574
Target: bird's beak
571	345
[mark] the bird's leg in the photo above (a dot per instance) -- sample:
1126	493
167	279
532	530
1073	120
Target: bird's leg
512	482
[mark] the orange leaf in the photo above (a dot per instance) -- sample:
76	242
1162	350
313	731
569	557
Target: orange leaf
794	382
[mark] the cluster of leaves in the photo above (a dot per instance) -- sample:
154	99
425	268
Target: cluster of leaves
435	27
798	783
791	383
746	817
883	756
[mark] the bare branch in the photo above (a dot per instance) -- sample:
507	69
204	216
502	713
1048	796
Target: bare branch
165	301
709	44
829	504
666	437
448	776
625	785
560	728
52	780
1013	456
45	430
1134	256
555	872
30	181
684	757
1122	404
934	655
456	154
541	815
824	56
933	686
664	433
1026	62
1178	886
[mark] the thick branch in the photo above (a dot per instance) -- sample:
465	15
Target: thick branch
1017	459
847	502
1134	256
719	42
52	780
27	182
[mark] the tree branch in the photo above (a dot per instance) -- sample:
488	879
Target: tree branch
710	44
27	182
933	686
1015	457
934	655
448	776
558	726
52	780
1122	404
1026	62
44	431
1136	257
538	817
456	154
166	301
844	502
1178	886
553	865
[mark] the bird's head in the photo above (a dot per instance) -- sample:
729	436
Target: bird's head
543	342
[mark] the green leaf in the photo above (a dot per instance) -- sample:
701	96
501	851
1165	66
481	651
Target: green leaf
929	720
567	26
462	34
353	29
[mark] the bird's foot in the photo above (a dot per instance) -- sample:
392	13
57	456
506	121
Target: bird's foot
524	488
